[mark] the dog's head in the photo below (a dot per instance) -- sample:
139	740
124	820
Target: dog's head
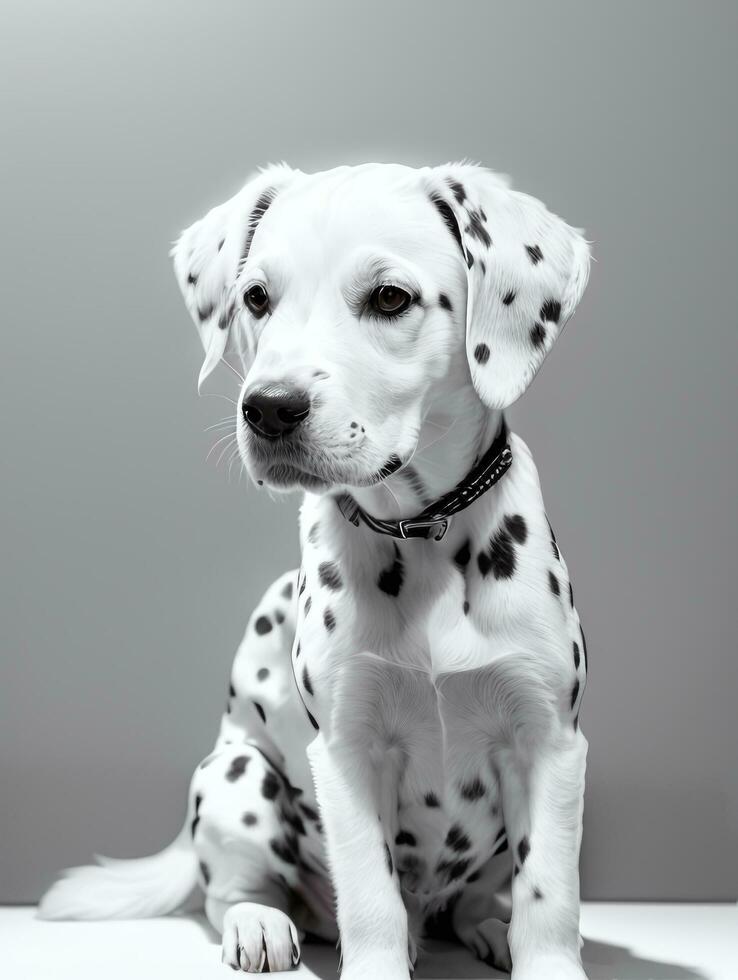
360	297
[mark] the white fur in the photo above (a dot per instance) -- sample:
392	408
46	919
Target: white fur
446	691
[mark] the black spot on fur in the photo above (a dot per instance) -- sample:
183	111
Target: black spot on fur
462	556
308	605
575	646
481	353
295	821
262	673
466	607
205	312
262	713
192	279
454	869
205	872
457	840
553	584
500	559
509	296
287	591
329	575
231	691
538	335
444	302
249	819
388	855
476	228
502	846
431	800
469	259
297	650
551	310
285	850
270	785
523	850
537	893
312	721
306	681
473	790
571	595
390	580
474	876
534	253
406	839
329	620
517	528
457	188
303	583
237	768
309	812
448	217
279	616
263	625
221	243
196	816
574	693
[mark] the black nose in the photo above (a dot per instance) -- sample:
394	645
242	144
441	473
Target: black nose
275	409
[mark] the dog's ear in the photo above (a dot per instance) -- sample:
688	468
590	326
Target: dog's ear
209	255
526	272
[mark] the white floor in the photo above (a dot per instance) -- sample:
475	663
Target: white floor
622	942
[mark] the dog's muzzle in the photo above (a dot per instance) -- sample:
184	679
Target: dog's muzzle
275	409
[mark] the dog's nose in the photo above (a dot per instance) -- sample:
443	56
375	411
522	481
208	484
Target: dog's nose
275	409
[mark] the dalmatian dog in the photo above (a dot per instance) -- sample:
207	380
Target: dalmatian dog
401	741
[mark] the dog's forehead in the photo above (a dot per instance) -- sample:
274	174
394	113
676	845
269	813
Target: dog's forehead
376	204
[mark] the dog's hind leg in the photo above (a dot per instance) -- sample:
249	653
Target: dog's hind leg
481	913
246	832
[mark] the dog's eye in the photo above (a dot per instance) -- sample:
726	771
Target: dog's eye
256	299
390	300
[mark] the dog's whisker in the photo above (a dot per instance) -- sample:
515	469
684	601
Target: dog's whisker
223	422
215	394
234	455
231	368
226	448
228	435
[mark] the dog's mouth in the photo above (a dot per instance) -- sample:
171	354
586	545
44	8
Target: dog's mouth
285	475
289	466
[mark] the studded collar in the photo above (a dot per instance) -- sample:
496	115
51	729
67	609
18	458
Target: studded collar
432	523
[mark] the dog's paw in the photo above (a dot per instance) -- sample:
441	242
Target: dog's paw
488	941
259	939
552	966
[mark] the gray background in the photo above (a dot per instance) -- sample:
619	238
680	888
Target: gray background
130	564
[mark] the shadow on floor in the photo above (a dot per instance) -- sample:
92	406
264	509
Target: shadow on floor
444	961
605	961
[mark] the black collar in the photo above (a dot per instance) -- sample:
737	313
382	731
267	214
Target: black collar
434	520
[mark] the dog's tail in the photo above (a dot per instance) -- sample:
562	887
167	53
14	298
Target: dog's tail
141	888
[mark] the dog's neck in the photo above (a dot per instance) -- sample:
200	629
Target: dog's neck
456	430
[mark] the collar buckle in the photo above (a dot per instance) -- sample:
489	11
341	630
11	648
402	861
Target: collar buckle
424	529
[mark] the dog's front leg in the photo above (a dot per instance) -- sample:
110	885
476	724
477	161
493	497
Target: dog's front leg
372	919
542	792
